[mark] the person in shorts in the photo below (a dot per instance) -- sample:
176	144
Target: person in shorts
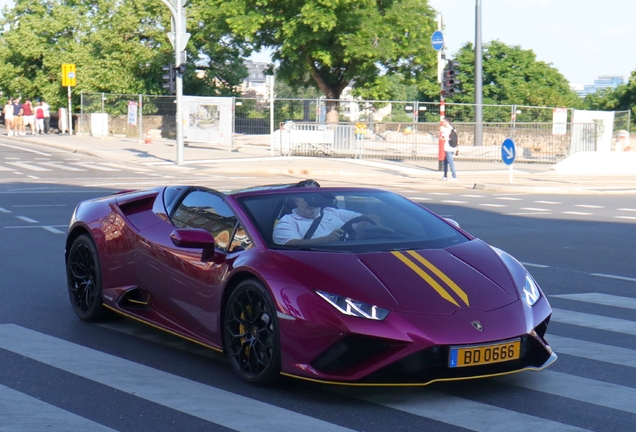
28	115
8	117
18	124
39	118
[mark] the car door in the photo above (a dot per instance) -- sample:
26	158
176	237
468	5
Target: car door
184	289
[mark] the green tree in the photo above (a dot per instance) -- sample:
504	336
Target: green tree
622	98
330	43
512	76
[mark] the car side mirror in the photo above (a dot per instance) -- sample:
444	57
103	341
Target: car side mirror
194	238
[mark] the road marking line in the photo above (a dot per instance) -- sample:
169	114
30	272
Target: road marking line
193	398
626	217
627	209
5	168
61	166
454	202
547	202
509	199
53	230
456	411
439	193
33	177
577	388
95	167
493	205
27	219
26	150
598	322
421	198
614	277
577	213
40	205
3	210
602	299
27	166
535	209
126	167
21	412
474	196
529	214
589	206
593	351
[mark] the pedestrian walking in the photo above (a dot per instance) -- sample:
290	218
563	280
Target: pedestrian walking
8	117
450	139
28	116
47	116
39	118
18	123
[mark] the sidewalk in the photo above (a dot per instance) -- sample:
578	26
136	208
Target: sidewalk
257	160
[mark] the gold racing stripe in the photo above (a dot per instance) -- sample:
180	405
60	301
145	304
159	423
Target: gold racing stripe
432	282
460	293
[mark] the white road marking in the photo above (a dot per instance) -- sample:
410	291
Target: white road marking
593	351
3	210
33	177
589	206
626	217
602	299
126	167
577	213
577	388
630	279
439	193
51	229
547	202
535	209
95	167
529	214
61	166
25	413
454	202
598	322
420	198
199	400
464	413
509	199
40	205
27	219
25	149
493	205
28	166
627	209
474	196
5	168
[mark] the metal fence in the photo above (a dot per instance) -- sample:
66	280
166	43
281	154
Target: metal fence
122	115
536	142
392	129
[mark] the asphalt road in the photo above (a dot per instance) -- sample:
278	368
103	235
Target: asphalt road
60	374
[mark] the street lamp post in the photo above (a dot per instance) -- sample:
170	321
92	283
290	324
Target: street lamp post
478	75
179	39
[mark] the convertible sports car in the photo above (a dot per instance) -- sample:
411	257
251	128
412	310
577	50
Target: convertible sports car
403	297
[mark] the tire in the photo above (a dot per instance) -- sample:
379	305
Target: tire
251	333
84	276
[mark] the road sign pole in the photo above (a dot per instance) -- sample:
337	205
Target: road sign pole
70	112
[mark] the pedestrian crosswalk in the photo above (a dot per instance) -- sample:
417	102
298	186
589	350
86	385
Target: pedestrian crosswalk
74	166
579	400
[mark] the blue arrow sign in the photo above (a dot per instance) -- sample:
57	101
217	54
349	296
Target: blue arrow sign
437	40
508	151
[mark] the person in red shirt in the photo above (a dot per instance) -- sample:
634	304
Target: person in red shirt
28	115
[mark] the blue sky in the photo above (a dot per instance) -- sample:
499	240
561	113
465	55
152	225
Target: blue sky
583	39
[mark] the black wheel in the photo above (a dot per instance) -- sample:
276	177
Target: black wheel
252	339
85	280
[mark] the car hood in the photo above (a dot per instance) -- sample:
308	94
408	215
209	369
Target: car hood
432	281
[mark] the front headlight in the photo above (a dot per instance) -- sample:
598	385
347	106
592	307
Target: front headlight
531	291
354	308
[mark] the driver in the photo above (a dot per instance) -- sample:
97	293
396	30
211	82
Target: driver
292	228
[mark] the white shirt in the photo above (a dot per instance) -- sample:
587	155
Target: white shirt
294	227
446	137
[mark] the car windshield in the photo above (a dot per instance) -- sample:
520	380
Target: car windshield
387	221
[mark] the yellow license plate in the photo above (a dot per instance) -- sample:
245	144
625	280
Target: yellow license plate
484	354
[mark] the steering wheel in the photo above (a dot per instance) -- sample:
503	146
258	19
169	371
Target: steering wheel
349	232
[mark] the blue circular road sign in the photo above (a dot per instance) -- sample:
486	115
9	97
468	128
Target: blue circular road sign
508	151
437	40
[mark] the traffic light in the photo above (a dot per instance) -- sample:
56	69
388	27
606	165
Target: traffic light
449	81
169	78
